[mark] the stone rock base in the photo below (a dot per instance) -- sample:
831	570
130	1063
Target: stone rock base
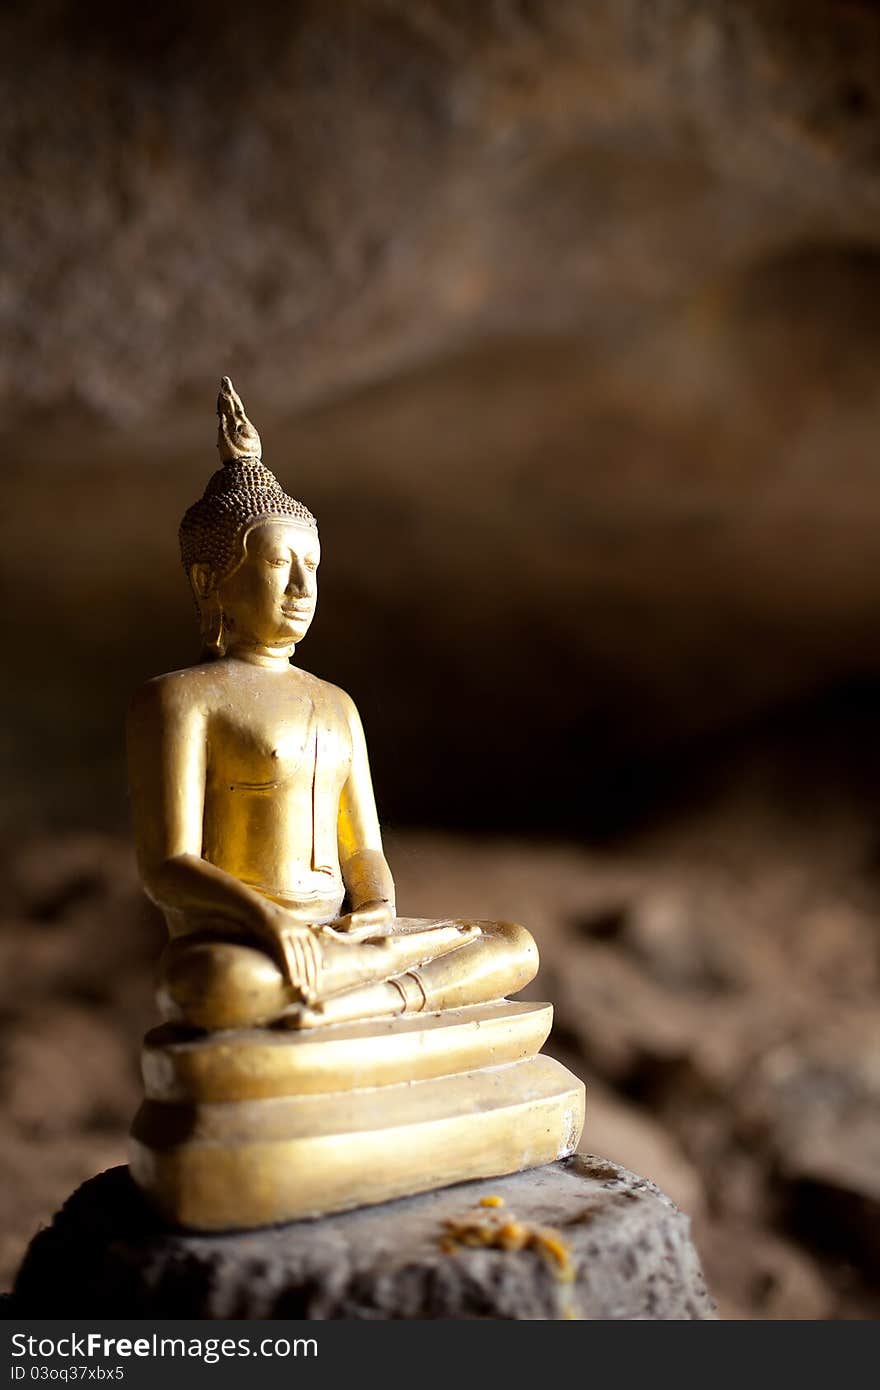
623	1251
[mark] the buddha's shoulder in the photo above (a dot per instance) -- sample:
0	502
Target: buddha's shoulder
193	687
213	681
329	697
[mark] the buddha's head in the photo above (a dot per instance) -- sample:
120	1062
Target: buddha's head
250	552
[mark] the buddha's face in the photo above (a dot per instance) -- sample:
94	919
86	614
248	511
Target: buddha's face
270	599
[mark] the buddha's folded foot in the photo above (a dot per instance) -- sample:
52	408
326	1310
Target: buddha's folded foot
382	999
387	980
324	964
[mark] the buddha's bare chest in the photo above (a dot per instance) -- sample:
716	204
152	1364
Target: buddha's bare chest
272	740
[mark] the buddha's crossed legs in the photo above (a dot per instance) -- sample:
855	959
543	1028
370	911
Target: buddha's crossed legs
212	980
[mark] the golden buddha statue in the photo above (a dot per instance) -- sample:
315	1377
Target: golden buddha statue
257	835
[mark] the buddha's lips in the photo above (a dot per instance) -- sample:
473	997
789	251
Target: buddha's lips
297	612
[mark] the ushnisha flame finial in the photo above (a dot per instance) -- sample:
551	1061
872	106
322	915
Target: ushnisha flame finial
236	436
240	494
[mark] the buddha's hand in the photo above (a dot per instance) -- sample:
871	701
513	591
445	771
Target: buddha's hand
294	948
301	962
371	918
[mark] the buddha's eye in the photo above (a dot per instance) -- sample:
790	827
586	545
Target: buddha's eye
311	564
277	564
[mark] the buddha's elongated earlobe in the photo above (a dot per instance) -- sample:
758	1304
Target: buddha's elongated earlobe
213	634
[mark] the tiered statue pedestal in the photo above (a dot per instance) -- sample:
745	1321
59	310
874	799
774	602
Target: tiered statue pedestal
250	1128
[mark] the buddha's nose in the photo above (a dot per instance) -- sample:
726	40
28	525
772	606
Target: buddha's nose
298	582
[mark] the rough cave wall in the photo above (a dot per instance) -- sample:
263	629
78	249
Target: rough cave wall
563	317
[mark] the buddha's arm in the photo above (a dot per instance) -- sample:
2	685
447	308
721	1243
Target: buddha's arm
167	753
365	870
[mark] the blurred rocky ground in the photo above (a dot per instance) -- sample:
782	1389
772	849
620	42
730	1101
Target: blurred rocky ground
715	984
564	318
